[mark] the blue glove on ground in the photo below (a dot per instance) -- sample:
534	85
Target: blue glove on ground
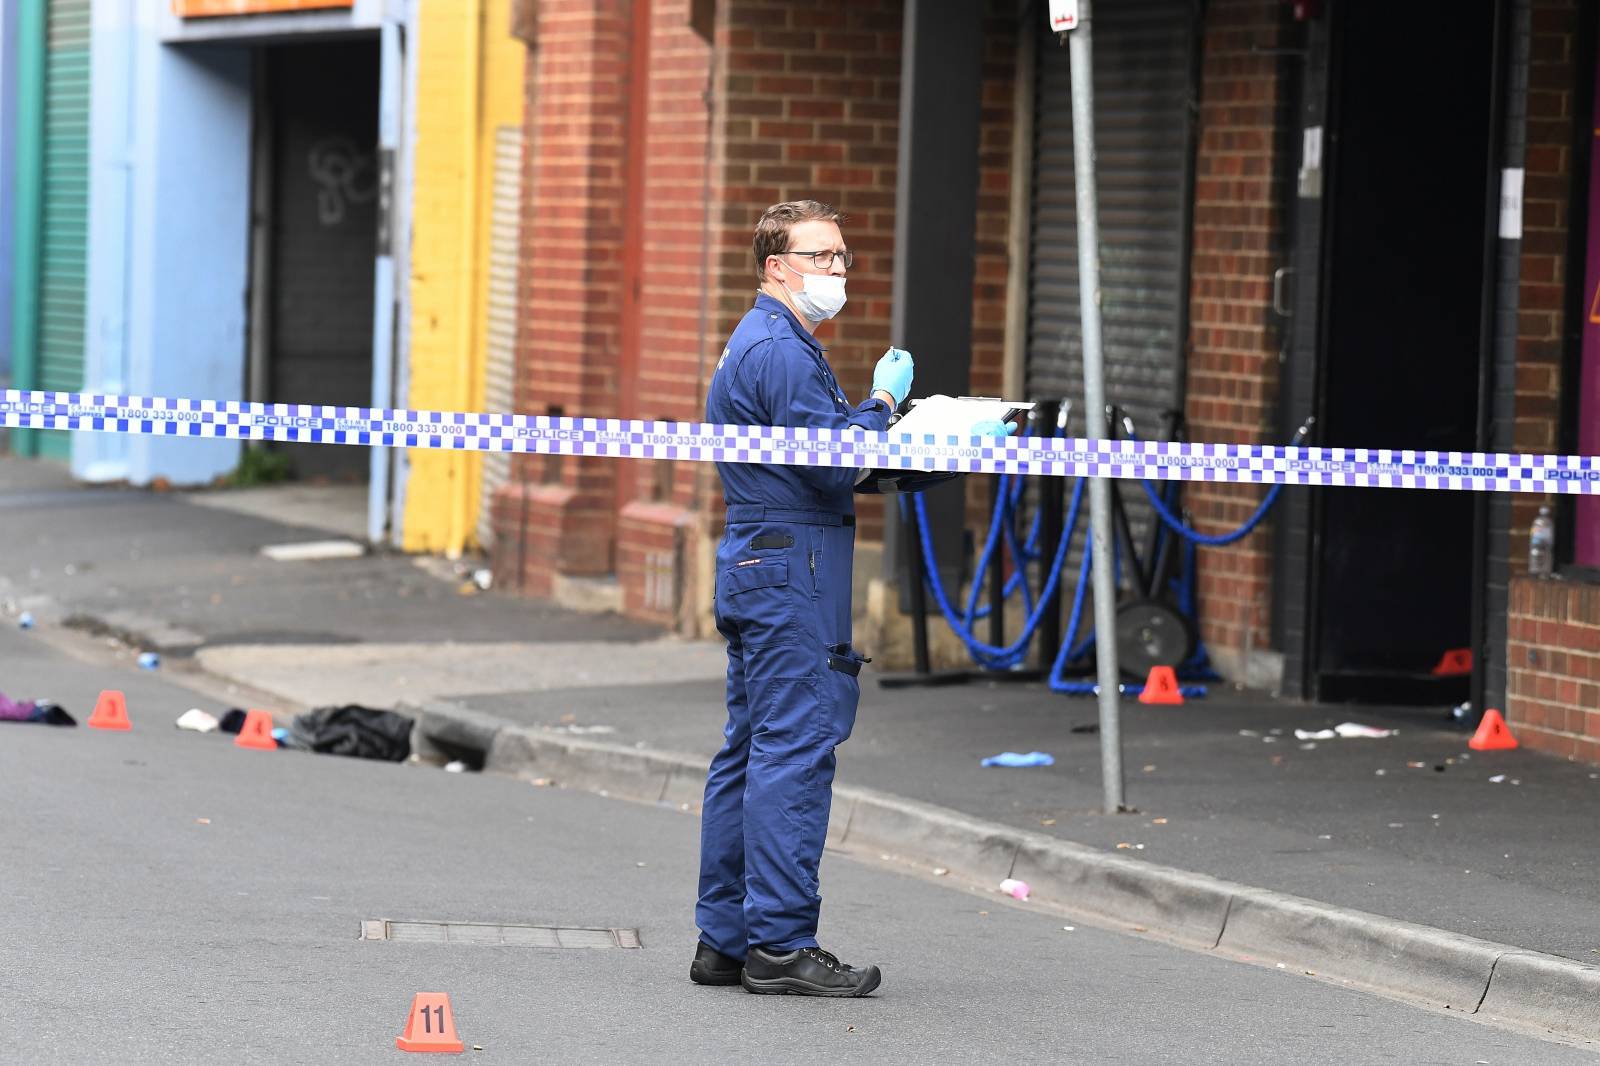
993	427
1016	759
893	375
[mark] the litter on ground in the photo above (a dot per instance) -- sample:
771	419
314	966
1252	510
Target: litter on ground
1015	759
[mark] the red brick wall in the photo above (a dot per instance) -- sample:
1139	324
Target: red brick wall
806	104
1553	695
569	332
659	498
1542	293
809	96
1233	356
1553	655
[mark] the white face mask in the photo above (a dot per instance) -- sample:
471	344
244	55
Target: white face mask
821	298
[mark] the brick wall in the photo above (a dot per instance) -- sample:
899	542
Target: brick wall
810	97
1234	341
664	504
1553	697
557	514
1553	650
1541	318
805	104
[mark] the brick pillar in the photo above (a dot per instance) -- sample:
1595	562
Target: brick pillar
1552	672
662	521
557	514
1541	293
1234	340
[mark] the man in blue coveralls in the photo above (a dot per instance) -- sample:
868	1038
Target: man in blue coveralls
783	604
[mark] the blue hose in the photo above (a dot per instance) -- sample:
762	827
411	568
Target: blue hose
989	655
1002	527
1211	540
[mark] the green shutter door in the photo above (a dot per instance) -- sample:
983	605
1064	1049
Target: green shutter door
64	235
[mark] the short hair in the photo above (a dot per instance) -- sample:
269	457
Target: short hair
772	230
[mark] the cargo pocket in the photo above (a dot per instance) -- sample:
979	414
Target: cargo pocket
844	688
754	596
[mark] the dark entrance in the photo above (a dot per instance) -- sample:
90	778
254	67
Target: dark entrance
315	235
1403	232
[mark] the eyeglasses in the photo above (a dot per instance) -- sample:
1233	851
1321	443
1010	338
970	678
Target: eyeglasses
823	260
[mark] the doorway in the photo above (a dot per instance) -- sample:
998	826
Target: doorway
314	238
1397	346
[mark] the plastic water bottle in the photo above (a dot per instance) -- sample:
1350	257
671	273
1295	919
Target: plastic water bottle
1542	543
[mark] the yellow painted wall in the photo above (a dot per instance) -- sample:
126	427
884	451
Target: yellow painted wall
469	81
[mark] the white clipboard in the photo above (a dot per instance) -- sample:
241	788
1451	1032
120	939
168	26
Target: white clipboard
956	415
940	415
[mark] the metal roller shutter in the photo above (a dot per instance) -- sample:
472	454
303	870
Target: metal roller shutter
505	214
65	230
1144	78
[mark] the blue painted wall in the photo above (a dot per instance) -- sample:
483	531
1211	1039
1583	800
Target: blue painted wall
168	239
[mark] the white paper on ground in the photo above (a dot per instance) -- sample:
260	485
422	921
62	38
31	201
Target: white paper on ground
197	720
1356	729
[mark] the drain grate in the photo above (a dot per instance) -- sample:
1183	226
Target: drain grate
494	935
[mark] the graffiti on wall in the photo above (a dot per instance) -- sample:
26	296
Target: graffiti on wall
344	173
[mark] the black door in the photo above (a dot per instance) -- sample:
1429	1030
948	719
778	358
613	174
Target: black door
1403	238
322	109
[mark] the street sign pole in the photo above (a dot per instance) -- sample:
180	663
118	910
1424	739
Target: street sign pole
1080	59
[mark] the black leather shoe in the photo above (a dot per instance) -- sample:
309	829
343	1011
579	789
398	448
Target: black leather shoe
712	967
805	972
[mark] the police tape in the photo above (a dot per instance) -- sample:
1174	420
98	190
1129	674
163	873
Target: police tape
705	442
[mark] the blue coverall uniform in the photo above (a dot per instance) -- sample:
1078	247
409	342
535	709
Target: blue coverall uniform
783	604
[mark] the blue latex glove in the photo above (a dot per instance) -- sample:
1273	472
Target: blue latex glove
1014	759
993	427
893	375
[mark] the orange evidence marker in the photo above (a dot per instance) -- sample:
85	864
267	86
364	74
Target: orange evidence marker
1493	734
431	1025
1161	687
1454	663
256	732
110	712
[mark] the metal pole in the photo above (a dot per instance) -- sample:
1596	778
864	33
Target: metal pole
997	576
1052	501
919	603
391	59
1094	396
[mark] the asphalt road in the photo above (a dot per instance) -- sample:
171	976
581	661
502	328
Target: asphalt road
171	899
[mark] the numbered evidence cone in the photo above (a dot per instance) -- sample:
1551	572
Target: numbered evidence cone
110	712
1161	687
1493	734
256	732
431	1026
1454	663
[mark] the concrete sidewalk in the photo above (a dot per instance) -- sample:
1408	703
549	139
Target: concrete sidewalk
1399	863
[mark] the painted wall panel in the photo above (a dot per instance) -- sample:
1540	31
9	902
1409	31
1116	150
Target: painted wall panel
8	162
64	238
168	237
469	72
